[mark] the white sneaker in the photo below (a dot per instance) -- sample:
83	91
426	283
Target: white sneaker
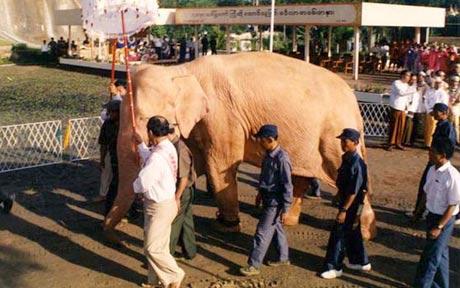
457	222
331	274
358	267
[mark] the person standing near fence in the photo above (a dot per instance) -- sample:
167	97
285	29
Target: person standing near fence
183	227
442	191
433	96
414	109
108	142
156	182
117	91
399	99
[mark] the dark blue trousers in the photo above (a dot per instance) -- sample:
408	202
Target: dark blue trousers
433	268
269	226
314	187
345	238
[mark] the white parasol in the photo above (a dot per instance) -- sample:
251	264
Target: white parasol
102	17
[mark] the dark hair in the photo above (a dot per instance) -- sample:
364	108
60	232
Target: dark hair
404	72
159	126
443	145
120	82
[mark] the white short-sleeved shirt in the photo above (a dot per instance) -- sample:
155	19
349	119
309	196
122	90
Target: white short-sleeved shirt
442	189
157	179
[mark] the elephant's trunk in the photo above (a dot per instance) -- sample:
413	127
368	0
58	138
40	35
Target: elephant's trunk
128	167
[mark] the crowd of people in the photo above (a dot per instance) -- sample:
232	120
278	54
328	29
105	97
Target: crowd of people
166	187
415	57
53	50
167	48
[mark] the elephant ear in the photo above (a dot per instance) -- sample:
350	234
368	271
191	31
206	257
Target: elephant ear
191	103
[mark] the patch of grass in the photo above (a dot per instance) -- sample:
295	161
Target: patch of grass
5	60
34	93
4	42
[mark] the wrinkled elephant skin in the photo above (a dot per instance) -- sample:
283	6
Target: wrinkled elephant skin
218	103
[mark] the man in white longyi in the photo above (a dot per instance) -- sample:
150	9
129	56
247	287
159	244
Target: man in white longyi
157	183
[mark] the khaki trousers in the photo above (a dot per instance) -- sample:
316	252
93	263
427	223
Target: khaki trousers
430	126
157	230
106	176
455	119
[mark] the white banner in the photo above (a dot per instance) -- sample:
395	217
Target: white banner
337	15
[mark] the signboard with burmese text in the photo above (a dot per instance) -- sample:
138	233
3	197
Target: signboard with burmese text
331	14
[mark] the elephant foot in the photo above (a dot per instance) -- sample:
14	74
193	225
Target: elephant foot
232	226
293	215
368	220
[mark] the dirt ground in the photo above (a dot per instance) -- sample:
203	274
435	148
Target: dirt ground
52	238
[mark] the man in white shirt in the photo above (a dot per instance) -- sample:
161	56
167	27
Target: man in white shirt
434	95
157	183
442	190
399	99
414	108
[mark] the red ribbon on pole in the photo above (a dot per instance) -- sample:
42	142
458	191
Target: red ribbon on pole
128	72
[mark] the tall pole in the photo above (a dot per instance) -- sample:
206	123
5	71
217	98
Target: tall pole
356	53
418	35
427	40
307	43
329	42
272	25
128	72
114	59
69	45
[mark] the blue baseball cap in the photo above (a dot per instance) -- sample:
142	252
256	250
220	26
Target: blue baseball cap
440	107
266	131
351	134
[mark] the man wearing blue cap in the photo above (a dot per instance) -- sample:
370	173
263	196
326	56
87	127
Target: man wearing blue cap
346	235
275	191
444	130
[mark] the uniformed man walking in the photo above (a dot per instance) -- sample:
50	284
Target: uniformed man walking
444	130
183	227
442	190
346	235
275	191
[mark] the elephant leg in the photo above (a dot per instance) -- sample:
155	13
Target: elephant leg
225	188
300	185
223	160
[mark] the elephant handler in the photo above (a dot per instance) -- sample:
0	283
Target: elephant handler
183	228
157	183
346	234
442	190
275	191
445	130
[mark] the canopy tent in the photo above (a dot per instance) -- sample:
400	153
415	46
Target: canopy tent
354	15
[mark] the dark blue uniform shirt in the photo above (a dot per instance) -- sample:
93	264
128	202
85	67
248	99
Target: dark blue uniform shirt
444	129
275	183
352	178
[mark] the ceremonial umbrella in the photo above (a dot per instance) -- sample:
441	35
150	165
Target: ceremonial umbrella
118	18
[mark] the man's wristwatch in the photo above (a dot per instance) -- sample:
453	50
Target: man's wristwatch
342	209
440	227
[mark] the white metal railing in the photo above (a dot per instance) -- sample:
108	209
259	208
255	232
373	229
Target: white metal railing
84	133
30	145
39	144
376	119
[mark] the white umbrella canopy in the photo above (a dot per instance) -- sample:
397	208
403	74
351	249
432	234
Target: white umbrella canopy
101	18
